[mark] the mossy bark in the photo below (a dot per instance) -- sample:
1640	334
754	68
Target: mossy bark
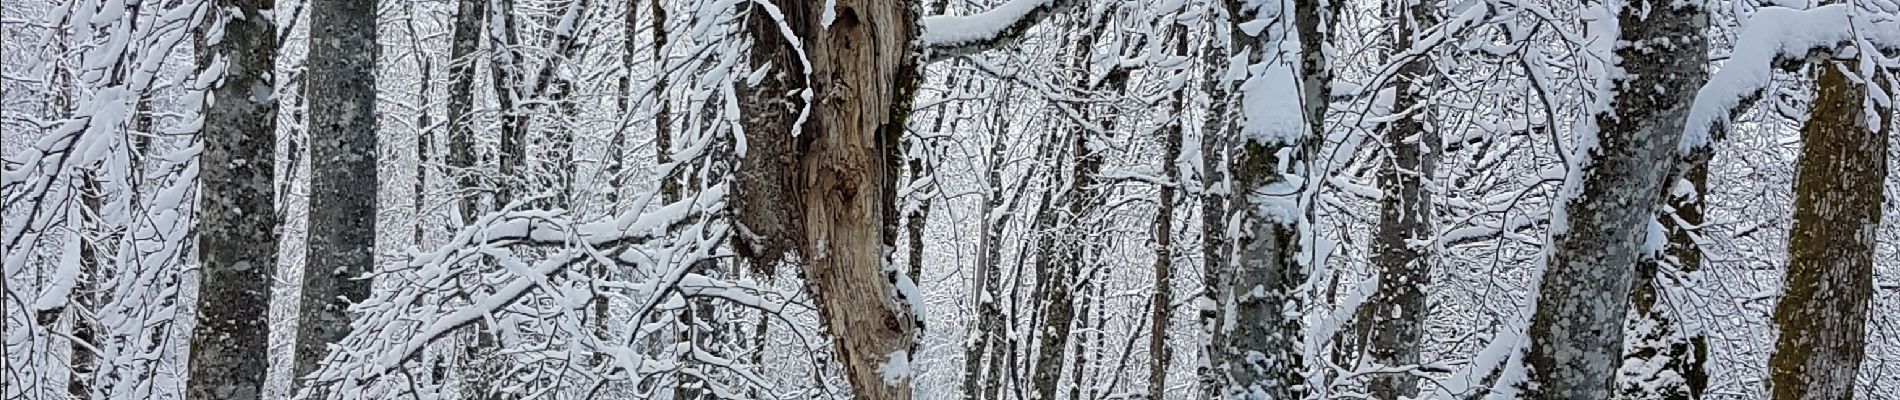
1837	209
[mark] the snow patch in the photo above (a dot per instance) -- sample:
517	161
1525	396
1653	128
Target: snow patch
896	368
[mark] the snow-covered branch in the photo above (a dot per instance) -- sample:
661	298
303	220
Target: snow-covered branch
1781	36
946	36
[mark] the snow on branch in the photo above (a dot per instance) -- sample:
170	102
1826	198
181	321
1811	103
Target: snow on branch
946	36
1780	36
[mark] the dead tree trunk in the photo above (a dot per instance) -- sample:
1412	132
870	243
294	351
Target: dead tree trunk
831	174
237	217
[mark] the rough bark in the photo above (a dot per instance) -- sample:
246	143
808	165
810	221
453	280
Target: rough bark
1837	212
1576	333
1213	195
765	202
1391	322
840	183
237	217
343	183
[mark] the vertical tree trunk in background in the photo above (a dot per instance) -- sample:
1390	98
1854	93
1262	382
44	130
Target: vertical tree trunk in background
988	265
1659	362
662	119
425	141
1837	212
1064	251
506	72
1391	322
237	216
1163	298
470	18
1576	334
461	158
343	182
840	188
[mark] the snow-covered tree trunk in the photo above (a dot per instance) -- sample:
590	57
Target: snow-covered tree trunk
343	184
1215	193
237	216
507	70
1660	360
1393	319
1260	354
1576	334
1837	211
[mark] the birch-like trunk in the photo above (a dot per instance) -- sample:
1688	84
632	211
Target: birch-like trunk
237	217
1576	333
1837	211
343	183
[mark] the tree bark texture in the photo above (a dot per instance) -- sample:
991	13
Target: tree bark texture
1837	210
237	216
1659	361
343	183
1391	322
833	180
1576	335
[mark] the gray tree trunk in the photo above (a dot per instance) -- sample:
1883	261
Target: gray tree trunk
506	72
237	216
463	42
1391	322
988	266
1660	363
1837	211
343	182
1062	255
1260	355
1214	194
1577	331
